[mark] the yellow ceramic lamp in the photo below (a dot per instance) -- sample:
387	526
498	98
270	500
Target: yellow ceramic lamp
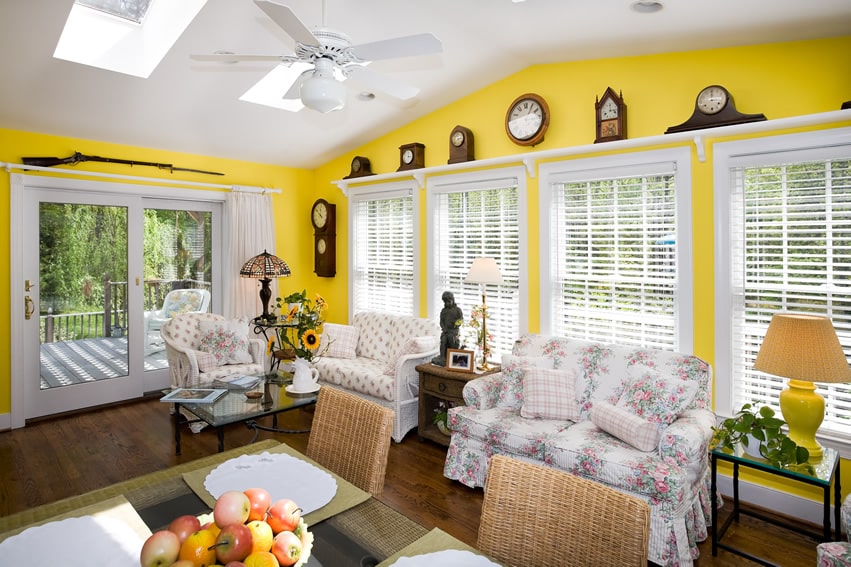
805	349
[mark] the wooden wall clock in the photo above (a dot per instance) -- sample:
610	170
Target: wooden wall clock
527	120
411	156
323	216
461	145
714	107
360	168
610	117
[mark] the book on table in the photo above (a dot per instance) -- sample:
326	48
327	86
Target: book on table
194	395
237	382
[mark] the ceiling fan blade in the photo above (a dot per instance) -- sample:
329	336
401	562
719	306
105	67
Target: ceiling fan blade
408	46
381	82
235	57
288	21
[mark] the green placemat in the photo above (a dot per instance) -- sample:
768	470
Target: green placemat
146	483
435	540
347	496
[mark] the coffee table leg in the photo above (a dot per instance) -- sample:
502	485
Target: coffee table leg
176	430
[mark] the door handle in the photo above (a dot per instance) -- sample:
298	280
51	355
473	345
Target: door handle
29	307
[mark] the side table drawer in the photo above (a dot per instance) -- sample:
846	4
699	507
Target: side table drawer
444	386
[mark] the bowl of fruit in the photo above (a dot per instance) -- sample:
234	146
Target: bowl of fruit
245	529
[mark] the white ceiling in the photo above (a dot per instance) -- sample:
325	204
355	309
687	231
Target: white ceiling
194	107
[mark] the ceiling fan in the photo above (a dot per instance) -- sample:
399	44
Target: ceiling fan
313	76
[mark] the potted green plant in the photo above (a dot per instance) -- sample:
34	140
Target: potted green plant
750	425
290	301
441	415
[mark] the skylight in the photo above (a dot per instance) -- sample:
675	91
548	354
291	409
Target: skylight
95	36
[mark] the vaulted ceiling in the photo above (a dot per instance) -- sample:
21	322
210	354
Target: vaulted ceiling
194	107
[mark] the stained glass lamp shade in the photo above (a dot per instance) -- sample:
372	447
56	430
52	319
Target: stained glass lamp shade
264	267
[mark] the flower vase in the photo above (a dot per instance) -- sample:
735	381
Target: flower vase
305	377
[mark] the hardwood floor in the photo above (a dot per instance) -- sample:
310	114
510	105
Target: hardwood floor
56	458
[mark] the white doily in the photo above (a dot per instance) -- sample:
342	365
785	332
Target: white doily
445	558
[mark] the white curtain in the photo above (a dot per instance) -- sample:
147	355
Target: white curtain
250	229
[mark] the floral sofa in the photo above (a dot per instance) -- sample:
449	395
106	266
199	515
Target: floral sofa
837	553
376	357
637	420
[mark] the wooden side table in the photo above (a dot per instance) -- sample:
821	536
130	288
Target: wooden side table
439	384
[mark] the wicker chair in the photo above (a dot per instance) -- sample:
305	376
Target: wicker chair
536	516
351	436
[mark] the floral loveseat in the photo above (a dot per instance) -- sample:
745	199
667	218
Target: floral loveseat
837	553
634	419
376	357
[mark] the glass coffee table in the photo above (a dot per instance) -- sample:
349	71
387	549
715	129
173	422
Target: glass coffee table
235	407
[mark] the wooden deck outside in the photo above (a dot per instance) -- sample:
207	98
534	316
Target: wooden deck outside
73	362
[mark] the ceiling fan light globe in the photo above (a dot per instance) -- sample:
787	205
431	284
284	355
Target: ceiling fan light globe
323	94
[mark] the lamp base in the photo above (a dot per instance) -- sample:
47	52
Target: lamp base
803	410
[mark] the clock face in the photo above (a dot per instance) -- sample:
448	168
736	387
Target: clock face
408	156
609	110
356	165
525	119
457	138
712	100
321	246
320	214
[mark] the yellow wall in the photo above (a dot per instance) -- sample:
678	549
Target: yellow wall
779	80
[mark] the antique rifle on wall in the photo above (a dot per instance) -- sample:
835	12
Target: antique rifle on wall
77	157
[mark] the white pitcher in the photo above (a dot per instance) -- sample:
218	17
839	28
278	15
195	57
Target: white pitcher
305	377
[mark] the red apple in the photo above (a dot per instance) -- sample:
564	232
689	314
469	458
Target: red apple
160	549
260	500
184	525
232	507
235	564
283	515
233	543
286	548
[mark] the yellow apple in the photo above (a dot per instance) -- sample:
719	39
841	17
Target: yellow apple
261	534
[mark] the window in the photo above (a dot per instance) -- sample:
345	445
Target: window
615	249
479	215
383	250
783	210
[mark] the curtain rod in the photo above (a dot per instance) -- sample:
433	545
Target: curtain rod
245	188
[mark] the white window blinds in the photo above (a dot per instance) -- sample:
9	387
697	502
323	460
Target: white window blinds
613	255
383	250
472	220
790	234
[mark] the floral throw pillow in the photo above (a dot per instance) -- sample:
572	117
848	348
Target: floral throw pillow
207	362
655	398
628	427
549	394
341	340
226	340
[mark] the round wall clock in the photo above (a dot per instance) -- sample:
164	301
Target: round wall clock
319	214
527	120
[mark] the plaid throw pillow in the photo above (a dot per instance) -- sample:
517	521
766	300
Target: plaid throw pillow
549	394
628	427
342	340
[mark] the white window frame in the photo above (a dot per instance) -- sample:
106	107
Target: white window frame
636	163
754	153
376	192
472	181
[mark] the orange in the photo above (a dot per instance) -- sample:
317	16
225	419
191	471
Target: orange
261	559
196	549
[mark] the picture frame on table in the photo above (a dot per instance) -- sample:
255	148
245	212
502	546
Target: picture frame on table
460	360
194	395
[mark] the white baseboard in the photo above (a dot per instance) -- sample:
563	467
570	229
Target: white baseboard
776	500
5	421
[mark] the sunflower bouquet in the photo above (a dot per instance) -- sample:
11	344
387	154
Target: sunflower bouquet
302	321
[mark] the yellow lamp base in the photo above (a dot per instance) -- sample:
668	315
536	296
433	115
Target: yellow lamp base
803	410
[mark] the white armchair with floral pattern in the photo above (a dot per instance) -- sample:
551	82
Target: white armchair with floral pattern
837	553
